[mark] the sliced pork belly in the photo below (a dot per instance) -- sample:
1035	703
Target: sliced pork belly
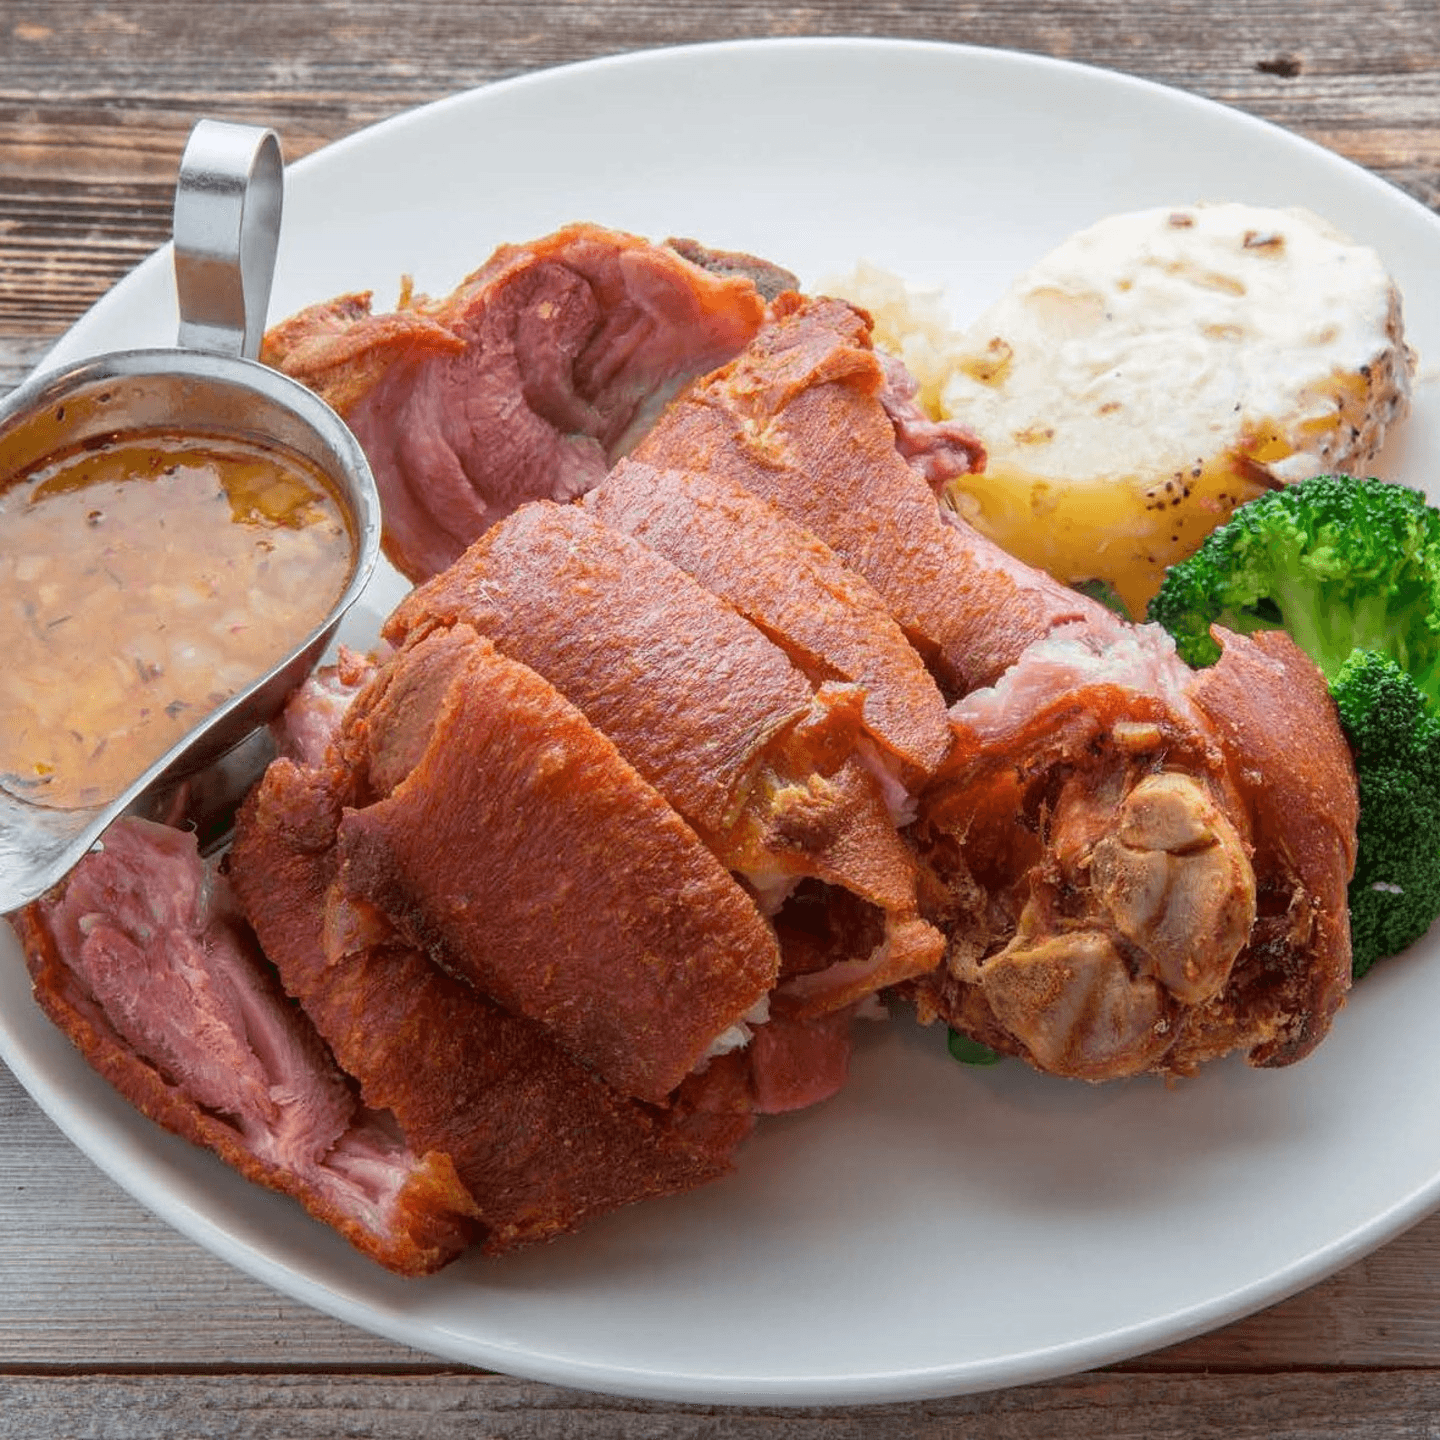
1134	871
828	620
143	959
502	833
712	713
538	1139
527	382
799	418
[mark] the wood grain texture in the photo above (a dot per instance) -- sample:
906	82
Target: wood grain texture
113	1325
447	1407
96	101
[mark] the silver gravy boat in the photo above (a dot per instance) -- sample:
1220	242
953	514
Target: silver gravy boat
228	202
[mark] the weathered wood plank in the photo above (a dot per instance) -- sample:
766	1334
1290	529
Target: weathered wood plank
1300	1406
95	102
19	355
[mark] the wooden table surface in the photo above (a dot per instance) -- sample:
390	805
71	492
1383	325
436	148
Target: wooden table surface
111	1324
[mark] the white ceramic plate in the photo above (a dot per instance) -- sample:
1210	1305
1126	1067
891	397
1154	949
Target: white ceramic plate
933	1229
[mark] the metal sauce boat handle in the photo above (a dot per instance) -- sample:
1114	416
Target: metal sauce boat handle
228	201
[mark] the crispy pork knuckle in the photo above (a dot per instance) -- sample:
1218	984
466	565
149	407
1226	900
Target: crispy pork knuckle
1117	893
768	768
643	800
524	853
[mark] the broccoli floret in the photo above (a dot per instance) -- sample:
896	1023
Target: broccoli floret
1395	893
1342	564
1351	568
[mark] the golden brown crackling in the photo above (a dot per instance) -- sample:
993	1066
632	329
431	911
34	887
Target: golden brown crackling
829	620
706	707
340	349
1289	760
690	692
524	851
539	1140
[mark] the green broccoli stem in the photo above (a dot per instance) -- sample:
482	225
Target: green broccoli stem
1329	633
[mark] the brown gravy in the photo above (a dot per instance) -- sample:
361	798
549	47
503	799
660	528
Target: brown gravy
144	582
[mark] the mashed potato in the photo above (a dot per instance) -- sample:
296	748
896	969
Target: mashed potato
1152	373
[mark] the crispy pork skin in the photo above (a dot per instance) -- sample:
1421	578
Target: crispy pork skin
690	693
1262	696
538	1139
500	831
526	382
791	585
142	957
707	709
798	418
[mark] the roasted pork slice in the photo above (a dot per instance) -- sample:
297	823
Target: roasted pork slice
311	718
526	382
800	418
827	619
711	712
505	835
1136	867
539	1140
142	957
691	693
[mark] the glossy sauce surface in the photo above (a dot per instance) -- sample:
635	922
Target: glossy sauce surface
142	583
